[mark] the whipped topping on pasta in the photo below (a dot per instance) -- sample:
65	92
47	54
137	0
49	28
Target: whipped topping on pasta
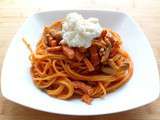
79	32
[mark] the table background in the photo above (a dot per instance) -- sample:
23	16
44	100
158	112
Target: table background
14	12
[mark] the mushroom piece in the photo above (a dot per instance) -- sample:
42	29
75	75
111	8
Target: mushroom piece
108	70
124	66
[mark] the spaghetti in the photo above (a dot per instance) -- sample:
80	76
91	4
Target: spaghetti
63	72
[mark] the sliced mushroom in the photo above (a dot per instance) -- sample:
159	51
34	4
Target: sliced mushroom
108	70
124	66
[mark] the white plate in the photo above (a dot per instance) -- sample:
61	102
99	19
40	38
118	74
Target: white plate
143	87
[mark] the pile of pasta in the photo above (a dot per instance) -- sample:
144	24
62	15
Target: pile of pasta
72	72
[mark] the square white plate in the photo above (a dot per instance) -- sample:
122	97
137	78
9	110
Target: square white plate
143	87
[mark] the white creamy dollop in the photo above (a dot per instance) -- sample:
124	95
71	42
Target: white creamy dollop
79	32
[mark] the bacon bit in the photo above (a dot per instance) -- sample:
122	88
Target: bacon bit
88	64
78	55
106	84
69	52
87	99
116	44
94	55
85	88
104	33
119	62
53	43
82	50
78	92
113	53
